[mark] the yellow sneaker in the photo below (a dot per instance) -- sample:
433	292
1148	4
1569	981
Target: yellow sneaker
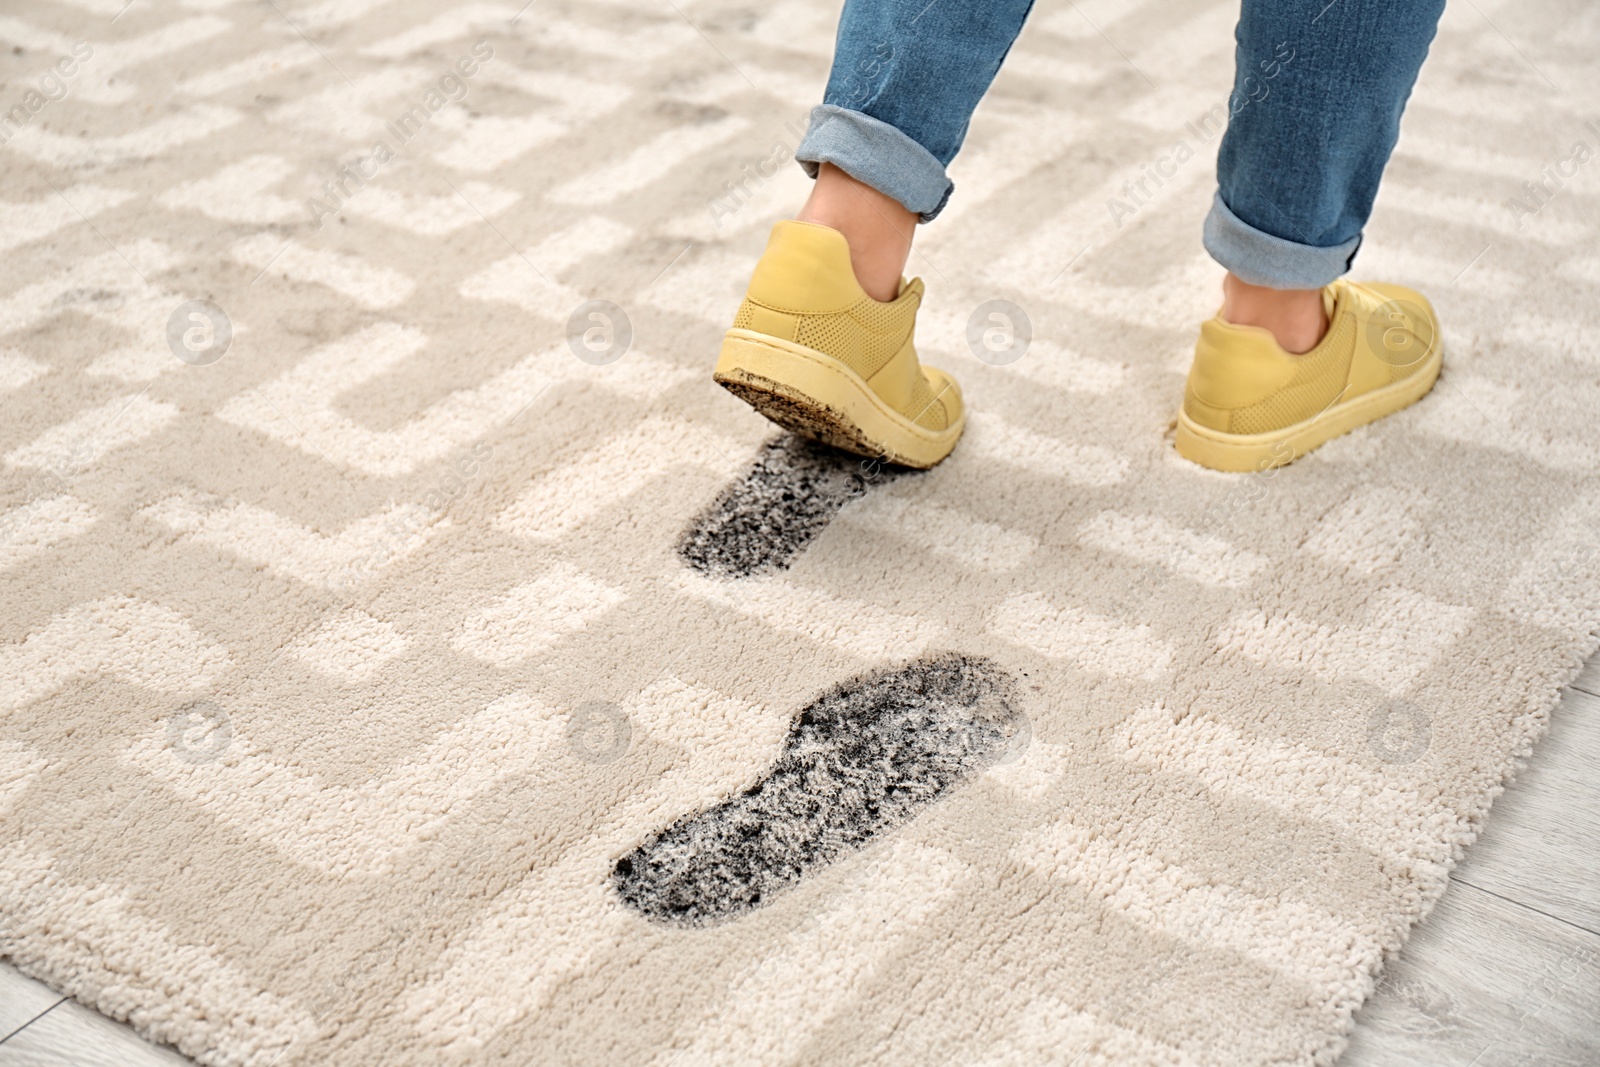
815	354
1250	405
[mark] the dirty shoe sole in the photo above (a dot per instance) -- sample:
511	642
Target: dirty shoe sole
1262	451
816	396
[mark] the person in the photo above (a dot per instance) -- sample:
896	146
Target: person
823	342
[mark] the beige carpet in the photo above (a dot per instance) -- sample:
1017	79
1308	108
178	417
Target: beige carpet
384	683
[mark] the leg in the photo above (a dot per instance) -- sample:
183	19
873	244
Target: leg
877	227
1298	355
906	78
1318	92
822	344
1294	316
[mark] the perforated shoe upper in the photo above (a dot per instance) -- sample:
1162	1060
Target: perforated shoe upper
1242	382
804	290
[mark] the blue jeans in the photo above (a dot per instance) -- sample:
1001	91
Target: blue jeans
1317	95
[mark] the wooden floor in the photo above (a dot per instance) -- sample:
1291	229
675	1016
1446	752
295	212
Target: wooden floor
1504	973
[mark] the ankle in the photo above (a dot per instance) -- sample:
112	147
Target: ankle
1295	317
878	228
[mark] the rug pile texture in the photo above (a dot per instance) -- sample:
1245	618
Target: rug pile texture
408	655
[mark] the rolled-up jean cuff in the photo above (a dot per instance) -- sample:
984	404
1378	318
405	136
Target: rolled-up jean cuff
1262	259
872	151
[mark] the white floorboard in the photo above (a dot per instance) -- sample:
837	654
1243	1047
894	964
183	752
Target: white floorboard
1589	678
22	1000
1506	971
1541	847
1488	983
70	1035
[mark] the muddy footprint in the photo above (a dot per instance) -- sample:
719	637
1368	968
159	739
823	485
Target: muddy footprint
764	520
866	757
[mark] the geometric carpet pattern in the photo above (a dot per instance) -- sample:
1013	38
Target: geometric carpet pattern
409	655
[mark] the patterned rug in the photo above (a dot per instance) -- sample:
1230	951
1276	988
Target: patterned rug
410	656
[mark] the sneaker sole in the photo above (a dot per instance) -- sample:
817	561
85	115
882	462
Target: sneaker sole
816	396
1262	451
